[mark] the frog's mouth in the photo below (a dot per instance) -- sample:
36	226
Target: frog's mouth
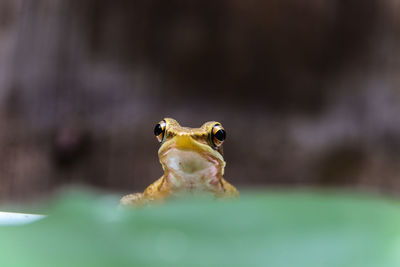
189	163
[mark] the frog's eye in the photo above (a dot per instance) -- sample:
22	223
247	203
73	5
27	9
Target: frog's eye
159	130
218	135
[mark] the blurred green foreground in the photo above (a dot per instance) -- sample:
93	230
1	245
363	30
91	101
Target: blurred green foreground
271	229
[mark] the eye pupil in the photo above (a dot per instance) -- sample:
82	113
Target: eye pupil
220	135
158	130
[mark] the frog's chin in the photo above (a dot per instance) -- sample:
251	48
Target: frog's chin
192	170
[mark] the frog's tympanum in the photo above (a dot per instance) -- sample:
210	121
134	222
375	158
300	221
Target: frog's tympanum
192	162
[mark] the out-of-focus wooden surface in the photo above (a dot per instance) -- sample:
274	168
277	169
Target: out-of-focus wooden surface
308	92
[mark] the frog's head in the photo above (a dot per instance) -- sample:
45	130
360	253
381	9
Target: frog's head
191	155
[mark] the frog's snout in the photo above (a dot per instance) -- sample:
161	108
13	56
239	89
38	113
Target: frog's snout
186	142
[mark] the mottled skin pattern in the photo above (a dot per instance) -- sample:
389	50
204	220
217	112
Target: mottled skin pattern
192	163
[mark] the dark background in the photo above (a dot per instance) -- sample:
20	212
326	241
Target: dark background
307	90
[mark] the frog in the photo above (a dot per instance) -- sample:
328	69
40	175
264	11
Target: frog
192	161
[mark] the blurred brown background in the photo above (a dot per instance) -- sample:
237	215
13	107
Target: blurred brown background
307	90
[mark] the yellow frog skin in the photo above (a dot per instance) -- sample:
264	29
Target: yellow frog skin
192	160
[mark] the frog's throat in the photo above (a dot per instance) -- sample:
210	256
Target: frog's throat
187	143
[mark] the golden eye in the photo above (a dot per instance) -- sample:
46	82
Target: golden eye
159	130
218	135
